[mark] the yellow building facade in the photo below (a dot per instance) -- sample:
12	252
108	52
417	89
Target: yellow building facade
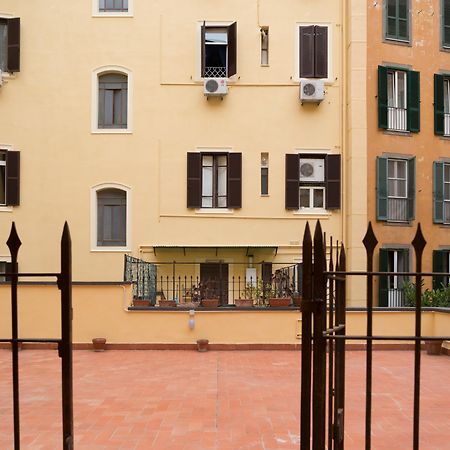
203	133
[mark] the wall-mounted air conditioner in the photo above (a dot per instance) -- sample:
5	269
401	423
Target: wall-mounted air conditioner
312	91
215	87
312	169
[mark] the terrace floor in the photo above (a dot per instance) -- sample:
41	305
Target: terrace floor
232	400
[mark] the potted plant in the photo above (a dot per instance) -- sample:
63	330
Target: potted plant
435	298
209	295
297	299
141	302
280	292
163	303
251	293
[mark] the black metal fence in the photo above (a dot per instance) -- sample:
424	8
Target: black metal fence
64	282
323	386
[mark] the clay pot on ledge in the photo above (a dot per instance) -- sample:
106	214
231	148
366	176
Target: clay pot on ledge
278	302
141	302
167	304
243	302
210	302
99	344
297	300
433	347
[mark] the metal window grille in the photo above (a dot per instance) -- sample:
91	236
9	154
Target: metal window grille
215	72
398	209
397	119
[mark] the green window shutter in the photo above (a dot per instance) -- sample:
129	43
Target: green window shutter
381	188
382	97
439	104
439	260
383	280
202	48
411	188
438	192
445	23
413	101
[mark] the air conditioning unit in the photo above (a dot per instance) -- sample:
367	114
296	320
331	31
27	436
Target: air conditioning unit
312	169
312	91
215	87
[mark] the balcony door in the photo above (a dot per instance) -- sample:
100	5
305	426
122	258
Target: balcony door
214	276
391	287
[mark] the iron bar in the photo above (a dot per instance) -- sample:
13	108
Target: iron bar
390	338
330	352
329	331
360	273
24	274
31	340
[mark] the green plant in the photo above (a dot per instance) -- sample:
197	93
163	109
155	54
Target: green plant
430	297
252	290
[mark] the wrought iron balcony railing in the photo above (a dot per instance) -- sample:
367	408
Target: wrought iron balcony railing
397	119
398	209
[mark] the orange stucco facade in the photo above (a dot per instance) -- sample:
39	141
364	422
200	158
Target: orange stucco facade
423	53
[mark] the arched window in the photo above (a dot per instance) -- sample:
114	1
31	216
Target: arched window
112	100
111	218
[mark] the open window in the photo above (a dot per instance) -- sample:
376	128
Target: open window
218	50
391	292
10	45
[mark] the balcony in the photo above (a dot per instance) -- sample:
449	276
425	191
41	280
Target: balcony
397	209
397	119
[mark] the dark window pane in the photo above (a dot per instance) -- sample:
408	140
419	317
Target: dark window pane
402	29
264	180
304	198
3	45
447	36
391	27
403	9
111	217
2	184
216	55
318	198
392	8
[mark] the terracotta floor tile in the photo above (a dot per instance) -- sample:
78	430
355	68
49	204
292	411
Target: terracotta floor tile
183	400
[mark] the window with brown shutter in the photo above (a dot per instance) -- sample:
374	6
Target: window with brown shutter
234	180
194	180
12	178
292	183
10	45
333	181
313	57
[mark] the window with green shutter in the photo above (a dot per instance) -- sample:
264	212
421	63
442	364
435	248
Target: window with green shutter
445	21
398	99
441	263
442	104
397	20
390	288
396	187
441	192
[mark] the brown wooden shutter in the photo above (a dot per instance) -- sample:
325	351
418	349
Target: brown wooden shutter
234	197
321	52
13	31
292	181
307	52
194	180
203	53
333	181
232	50
266	273
12	178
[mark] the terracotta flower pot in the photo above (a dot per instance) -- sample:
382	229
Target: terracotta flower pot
210	302
433	347
141	302
297	300
276	302
167	304
243	302
202	345
99	344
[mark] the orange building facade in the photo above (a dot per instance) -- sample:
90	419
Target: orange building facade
408	130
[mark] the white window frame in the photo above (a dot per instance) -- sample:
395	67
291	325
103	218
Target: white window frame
94	102
446	106
311	198
296	78
94	211
395	106
446	200
97	13
198	64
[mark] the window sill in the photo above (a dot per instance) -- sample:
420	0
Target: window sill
326	81
445	137
4	208
311	212
397	224
214	211
398	133
113	14
112	131
396	41
111	249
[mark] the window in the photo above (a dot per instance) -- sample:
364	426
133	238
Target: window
441	192
398	99
441	263
5	267
264	174
442	104
264	46
214	180
397	20
445	21
9	178
112	100
313	59
313	181
111	218
10	45
391	287
218	51
113	5
395	189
